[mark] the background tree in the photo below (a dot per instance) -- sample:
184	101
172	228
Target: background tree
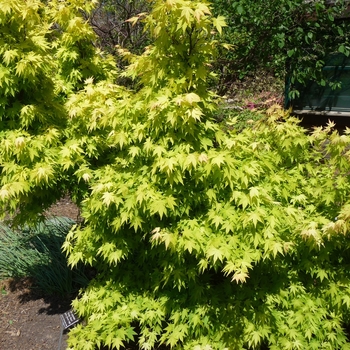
268	38
110	22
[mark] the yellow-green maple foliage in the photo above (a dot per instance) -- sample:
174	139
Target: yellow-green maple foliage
201	239
45	54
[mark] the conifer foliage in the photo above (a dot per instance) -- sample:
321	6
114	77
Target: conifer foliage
202	239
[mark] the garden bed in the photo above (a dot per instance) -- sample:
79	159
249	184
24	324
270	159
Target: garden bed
29	319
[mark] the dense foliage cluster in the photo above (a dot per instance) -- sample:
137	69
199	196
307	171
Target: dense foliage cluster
46	54
201	238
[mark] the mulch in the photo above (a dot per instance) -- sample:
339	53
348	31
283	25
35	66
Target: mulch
29	321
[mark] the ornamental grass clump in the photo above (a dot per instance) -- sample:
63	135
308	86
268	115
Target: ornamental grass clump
36	253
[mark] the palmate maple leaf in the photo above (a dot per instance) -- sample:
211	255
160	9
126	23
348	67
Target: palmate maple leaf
156	234
240	277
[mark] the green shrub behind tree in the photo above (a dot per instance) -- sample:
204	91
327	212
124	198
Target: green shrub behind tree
282	37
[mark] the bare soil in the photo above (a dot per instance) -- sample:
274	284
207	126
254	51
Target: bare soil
28	320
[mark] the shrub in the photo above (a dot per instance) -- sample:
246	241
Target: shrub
202	238
281	37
